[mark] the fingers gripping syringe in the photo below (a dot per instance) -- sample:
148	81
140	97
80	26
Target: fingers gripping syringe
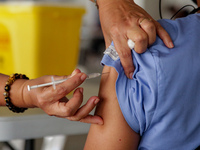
54	82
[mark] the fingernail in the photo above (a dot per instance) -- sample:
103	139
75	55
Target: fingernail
100	123
131	75
96	101
81	90
171	45
83	77
73	73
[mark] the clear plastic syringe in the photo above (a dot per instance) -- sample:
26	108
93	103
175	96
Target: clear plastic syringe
54	82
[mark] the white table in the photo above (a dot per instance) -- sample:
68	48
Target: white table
34	123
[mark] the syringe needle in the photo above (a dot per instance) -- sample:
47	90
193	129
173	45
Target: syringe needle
54	82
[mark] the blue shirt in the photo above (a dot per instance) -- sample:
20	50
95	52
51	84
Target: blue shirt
162	101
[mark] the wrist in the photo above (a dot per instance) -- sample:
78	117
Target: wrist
28	97
17	93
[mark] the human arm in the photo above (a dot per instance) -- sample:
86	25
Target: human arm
124	19
115	133
53	102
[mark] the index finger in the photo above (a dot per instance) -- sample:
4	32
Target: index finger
66	87
125	56
162	33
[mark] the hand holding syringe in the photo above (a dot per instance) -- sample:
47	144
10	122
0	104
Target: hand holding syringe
54	82
56	102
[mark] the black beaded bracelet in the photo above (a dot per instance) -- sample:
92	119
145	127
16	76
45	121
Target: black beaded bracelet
12	78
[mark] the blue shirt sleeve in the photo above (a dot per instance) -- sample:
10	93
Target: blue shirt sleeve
162	102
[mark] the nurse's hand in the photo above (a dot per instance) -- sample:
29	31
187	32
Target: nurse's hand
55	103
122	20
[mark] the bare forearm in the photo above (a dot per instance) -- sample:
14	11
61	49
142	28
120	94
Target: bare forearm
3	79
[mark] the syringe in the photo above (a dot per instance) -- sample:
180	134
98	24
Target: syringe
54	82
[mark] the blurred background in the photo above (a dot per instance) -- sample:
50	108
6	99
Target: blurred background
54	37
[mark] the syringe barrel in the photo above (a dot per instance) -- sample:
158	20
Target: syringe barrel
93	75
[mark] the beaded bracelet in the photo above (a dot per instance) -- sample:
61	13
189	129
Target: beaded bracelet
12	78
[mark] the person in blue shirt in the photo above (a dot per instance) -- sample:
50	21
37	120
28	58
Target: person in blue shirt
159	108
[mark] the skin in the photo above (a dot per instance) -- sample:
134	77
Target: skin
198	3
115	133
54	102
124	19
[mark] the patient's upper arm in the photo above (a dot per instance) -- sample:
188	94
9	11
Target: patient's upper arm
115	134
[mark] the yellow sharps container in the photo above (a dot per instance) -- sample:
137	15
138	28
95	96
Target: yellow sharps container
39	39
